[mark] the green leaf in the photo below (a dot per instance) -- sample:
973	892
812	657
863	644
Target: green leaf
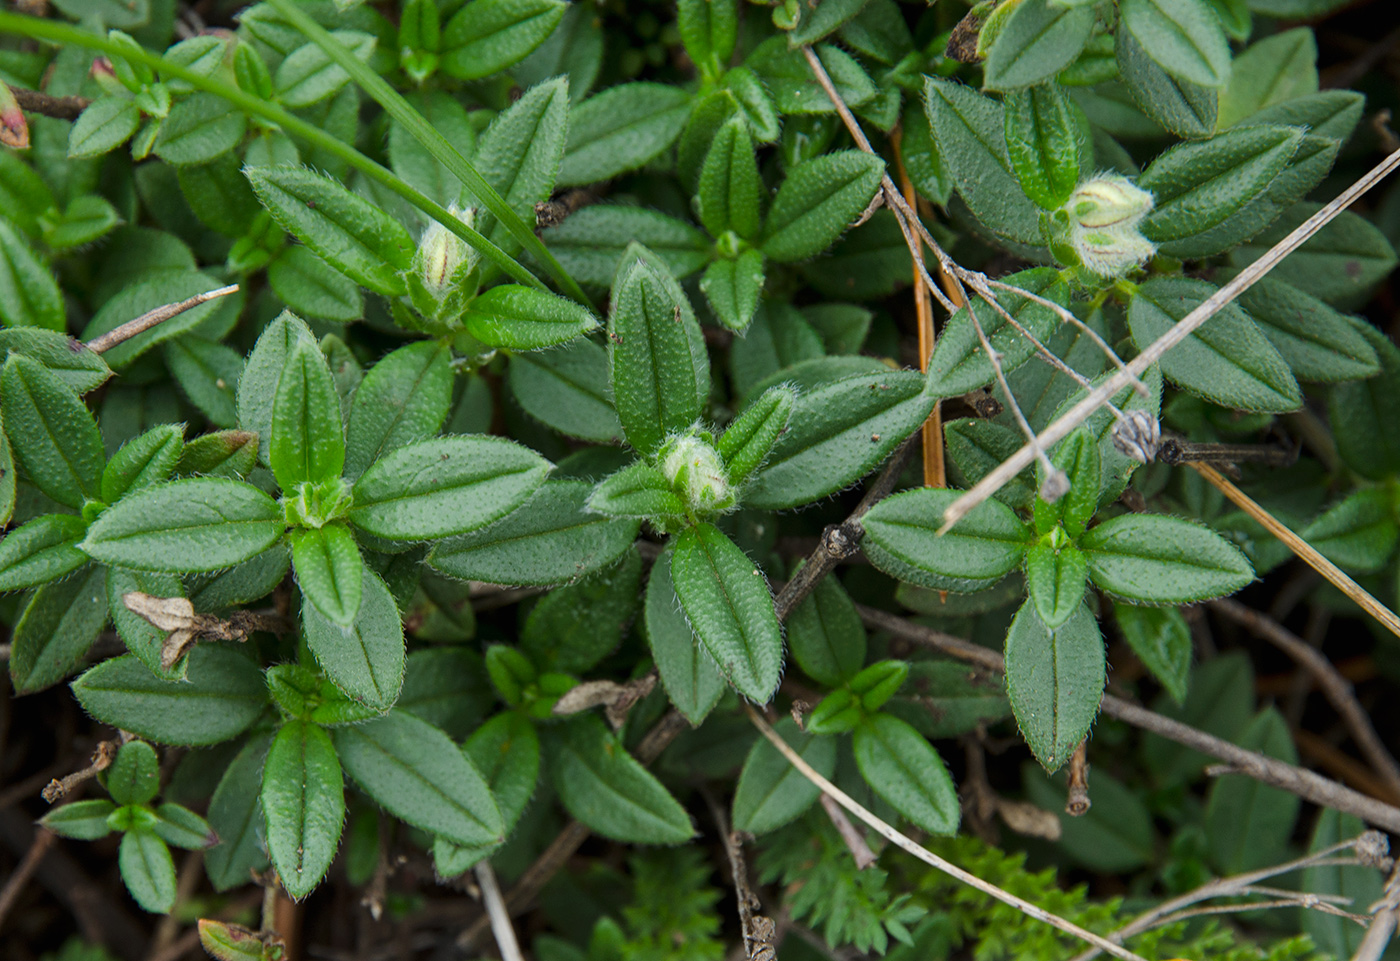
1340	264
660	368
905	770
366	659
235	814
224	453
1183	36
56	628
879	682
1056	579
1155	559
1361	883
550	539
1197	186
329	571
346	231
784	71
1317	342
257	388
148	871
1043	143
778	341
950	698
77	366
199	129
901	539
567	388
1184	108
183	828
1161	639
726	600
9	487
604	787
451	485
812	23
80	820
747	441
403	399
87	218
223	695
309	285
54	437
826	635
198	524
485	37
1273	70
42	550
729	193
1360	412
208	374
1054	680
1115	835
574	627
102	126
621	129
417	773
522	318
817	201
1078	456
520	153
687	671
837	713
969	135
770	791
142	461
134	777
303	799
959	364
976	447
1333	114
708	29
1226	360
307	444
1248	824
733	288
592	242
308	75
506	750
1359	533
837	434
157	289
1039	39
28	293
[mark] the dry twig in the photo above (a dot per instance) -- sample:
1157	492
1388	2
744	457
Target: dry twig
102	757
152	318
496	911
177	615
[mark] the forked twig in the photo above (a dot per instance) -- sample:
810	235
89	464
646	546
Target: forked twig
152	318
1154	352
927	856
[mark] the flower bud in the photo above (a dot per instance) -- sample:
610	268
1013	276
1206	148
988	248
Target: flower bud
1112	252
1107	201
697	474
442	254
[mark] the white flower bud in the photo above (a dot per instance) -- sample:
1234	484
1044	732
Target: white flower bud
697	474
1104	214
442	254
1109	200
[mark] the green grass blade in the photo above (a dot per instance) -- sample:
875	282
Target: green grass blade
61	33
435	143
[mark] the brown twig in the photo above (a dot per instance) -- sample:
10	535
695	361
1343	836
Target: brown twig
1237	885
1385	914
1304	783
102	758
855	841
154	317
496	912
43	840
60	108
754	932
927	856
840	541
1335	688
1302	548
1077	800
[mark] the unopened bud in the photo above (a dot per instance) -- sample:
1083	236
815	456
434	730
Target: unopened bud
1112	252
442	254
697	474
1137	435
1109	200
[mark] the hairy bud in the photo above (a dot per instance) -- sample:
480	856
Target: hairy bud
1104	214
697	474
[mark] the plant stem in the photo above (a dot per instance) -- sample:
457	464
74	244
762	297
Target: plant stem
153	318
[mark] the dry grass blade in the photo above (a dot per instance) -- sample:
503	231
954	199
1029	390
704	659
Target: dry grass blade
1183	328
928	857
152	318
